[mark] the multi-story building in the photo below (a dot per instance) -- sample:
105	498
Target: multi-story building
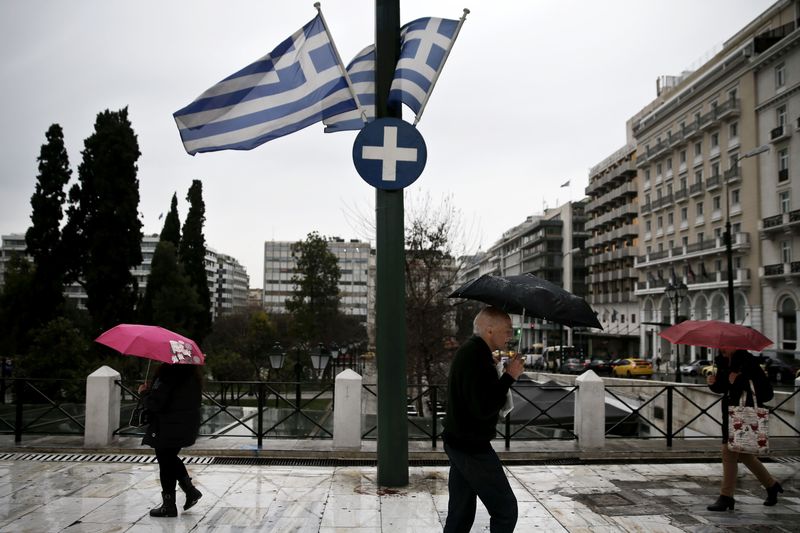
353	257
228	281
549	246
231	285
613	211
693	161
777	83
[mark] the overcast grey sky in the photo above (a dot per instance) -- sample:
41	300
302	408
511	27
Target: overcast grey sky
534	94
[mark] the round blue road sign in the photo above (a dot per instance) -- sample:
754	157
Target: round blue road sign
389	153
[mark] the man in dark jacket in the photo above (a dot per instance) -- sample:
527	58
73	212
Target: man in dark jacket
173	407
474	399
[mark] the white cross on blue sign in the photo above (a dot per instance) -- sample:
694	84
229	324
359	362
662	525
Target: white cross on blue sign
389	153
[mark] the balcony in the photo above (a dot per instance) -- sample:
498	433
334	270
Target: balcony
681	194
728	109
780	133
732	175
713	182
646	208
782	223
696	189
780	270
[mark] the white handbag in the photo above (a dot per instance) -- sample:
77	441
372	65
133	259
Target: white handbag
748	427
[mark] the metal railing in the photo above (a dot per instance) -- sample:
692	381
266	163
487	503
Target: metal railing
258	409
42	407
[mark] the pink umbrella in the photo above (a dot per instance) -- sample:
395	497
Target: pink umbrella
152	342
716	334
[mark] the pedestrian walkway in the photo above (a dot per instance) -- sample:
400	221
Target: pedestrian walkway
41	492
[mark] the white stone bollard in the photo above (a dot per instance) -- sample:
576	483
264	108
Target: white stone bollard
103	398
590	412
347	411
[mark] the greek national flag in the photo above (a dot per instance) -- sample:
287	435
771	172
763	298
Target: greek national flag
424	45
298	84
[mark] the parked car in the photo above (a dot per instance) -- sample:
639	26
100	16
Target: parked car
780	371
600	366
634	368
694	368
574	366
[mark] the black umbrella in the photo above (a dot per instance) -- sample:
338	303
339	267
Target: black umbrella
531	296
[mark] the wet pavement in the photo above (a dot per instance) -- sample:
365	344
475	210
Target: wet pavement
53	484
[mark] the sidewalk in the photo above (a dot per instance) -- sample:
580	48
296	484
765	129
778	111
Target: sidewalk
67	492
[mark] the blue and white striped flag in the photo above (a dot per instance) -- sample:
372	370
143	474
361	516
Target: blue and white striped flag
296	85
424	46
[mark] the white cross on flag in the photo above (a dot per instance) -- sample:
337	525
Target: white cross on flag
424	46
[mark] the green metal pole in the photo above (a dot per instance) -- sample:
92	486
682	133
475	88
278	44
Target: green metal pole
390	319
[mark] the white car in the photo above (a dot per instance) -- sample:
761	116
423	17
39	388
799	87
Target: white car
693	368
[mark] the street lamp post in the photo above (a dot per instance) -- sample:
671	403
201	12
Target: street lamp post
729	238
676	291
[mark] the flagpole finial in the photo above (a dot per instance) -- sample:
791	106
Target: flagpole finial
317	5
466	12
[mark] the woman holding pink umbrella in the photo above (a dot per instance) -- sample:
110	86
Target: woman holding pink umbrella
173	405
172	402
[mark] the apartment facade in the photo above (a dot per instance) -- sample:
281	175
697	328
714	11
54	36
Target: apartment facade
777	82
549	246
695	172
353	258
613	220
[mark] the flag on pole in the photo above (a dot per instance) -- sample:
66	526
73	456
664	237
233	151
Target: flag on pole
566	183
424	46
299	83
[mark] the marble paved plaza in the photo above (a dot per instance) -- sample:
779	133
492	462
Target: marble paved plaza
45	496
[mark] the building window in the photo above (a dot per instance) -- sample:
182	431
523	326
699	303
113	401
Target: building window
786	251
733	161
648	226
780	115
735	194
736	228
717	233
685	241
682	157
658	169
699	209
698	176
717	201
783	164
787	325
670	220
683	183
780	75
669	164
715	140
733	130
647	174
732	94
659	222
715	169
684	214
698	148
700	236
784	201
669	189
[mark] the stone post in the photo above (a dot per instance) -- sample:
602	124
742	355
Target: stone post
347	411
103	398
797	404
590	412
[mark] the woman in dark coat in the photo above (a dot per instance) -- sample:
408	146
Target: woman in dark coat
735	370
173	405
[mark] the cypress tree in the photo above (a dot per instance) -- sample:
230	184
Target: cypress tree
192	253
171	232
104	233
43	238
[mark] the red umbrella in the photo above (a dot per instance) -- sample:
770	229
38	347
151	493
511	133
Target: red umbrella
716	334
152	342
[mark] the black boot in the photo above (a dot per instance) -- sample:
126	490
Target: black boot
723	503
192	494
167	507
772	494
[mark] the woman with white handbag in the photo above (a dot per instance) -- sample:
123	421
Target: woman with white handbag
745	387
